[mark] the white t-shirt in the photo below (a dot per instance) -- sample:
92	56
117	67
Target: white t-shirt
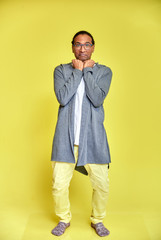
78	111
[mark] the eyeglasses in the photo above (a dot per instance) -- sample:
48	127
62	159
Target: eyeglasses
87	46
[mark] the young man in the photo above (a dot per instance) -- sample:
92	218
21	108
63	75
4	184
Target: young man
80	140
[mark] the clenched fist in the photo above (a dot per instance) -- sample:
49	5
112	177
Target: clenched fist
78	64
89	63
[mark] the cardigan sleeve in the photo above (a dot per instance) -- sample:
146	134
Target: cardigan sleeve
96	91
66	88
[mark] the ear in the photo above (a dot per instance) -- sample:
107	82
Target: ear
93	48
72	49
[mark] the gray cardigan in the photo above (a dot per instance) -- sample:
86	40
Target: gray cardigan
93	145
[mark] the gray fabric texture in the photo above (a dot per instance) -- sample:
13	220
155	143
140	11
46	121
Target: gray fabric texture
93	144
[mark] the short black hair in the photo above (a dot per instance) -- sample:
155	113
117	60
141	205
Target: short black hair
83	32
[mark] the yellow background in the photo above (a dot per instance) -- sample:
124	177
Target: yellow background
35	37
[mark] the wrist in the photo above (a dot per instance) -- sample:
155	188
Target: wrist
79	68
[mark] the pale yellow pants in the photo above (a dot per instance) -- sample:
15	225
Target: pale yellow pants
62	175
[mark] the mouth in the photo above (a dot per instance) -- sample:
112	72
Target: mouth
82	55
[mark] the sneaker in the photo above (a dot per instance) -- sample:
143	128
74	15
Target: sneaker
100	229
60	228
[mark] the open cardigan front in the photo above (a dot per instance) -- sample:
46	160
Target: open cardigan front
93	144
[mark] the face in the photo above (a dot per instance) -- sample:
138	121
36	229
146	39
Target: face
82	53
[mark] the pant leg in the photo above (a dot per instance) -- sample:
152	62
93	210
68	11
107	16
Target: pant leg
62	175
98	174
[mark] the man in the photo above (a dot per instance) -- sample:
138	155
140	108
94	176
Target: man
80	140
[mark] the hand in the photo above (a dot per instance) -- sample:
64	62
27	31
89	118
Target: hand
78	64
88	63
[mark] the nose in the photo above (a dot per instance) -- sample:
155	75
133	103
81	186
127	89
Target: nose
82	49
